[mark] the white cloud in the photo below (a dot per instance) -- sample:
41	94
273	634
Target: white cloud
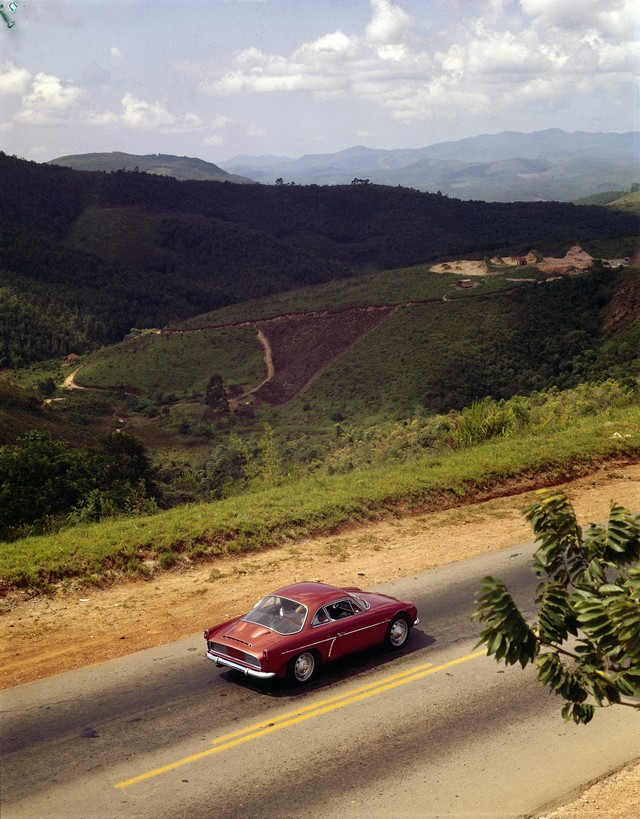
102	118
409	61
147	116
560	13
389	22
222	121
440	99
13	80
256	131
613	18
51	101
333	65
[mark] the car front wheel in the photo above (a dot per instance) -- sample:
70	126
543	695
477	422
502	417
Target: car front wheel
398	631
302	668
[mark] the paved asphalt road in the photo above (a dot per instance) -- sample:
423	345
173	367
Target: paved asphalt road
435	730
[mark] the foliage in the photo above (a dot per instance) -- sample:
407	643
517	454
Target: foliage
585	642
215	397
487	419
39	478
408	439
446	355
302	505
45	484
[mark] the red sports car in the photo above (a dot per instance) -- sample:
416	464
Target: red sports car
291	632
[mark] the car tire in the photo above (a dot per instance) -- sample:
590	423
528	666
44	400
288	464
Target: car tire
397	631
303	668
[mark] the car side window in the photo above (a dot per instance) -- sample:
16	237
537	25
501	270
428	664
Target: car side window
321	617
340	609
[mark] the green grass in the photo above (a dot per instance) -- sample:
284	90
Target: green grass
314	505
178	364
405	284
630	203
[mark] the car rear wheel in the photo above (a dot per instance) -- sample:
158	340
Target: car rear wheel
398	631
302	668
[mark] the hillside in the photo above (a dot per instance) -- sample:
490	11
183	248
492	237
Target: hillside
86	256
179	167
415	339
357	352
628	203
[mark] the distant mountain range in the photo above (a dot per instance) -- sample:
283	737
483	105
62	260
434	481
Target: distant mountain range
549	165
179	167
504	167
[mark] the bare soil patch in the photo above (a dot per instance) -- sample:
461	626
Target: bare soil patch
465	267
575	260
612	797
302	345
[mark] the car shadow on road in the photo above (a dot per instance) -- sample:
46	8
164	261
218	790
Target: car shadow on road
339	671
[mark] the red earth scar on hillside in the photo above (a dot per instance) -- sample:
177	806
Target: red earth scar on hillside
302	346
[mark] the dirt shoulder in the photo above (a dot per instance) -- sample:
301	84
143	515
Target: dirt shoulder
43	636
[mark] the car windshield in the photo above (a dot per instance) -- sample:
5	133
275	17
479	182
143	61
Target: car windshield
280	614
362	603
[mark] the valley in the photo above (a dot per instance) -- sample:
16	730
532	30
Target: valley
351	384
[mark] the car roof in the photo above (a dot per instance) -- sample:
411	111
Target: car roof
312	594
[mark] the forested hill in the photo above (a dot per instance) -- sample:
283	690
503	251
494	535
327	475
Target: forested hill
86	256
179	167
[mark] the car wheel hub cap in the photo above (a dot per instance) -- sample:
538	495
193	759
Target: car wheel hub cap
304	667
398	632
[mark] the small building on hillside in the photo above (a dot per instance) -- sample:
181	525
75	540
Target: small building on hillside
70	360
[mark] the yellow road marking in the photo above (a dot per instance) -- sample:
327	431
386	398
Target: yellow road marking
227	741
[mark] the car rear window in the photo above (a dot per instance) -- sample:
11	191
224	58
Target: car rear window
280	614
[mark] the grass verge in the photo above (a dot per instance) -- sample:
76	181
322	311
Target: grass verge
137	546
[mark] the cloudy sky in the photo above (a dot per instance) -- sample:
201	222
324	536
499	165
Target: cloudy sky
216	78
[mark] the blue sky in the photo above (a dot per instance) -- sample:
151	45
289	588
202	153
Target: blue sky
216	78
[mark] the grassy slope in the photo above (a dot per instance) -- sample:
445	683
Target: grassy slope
317	504
629	203
429	355
408	358
178	364
182	364
436	354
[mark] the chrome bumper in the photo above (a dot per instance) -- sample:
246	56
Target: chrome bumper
250	672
